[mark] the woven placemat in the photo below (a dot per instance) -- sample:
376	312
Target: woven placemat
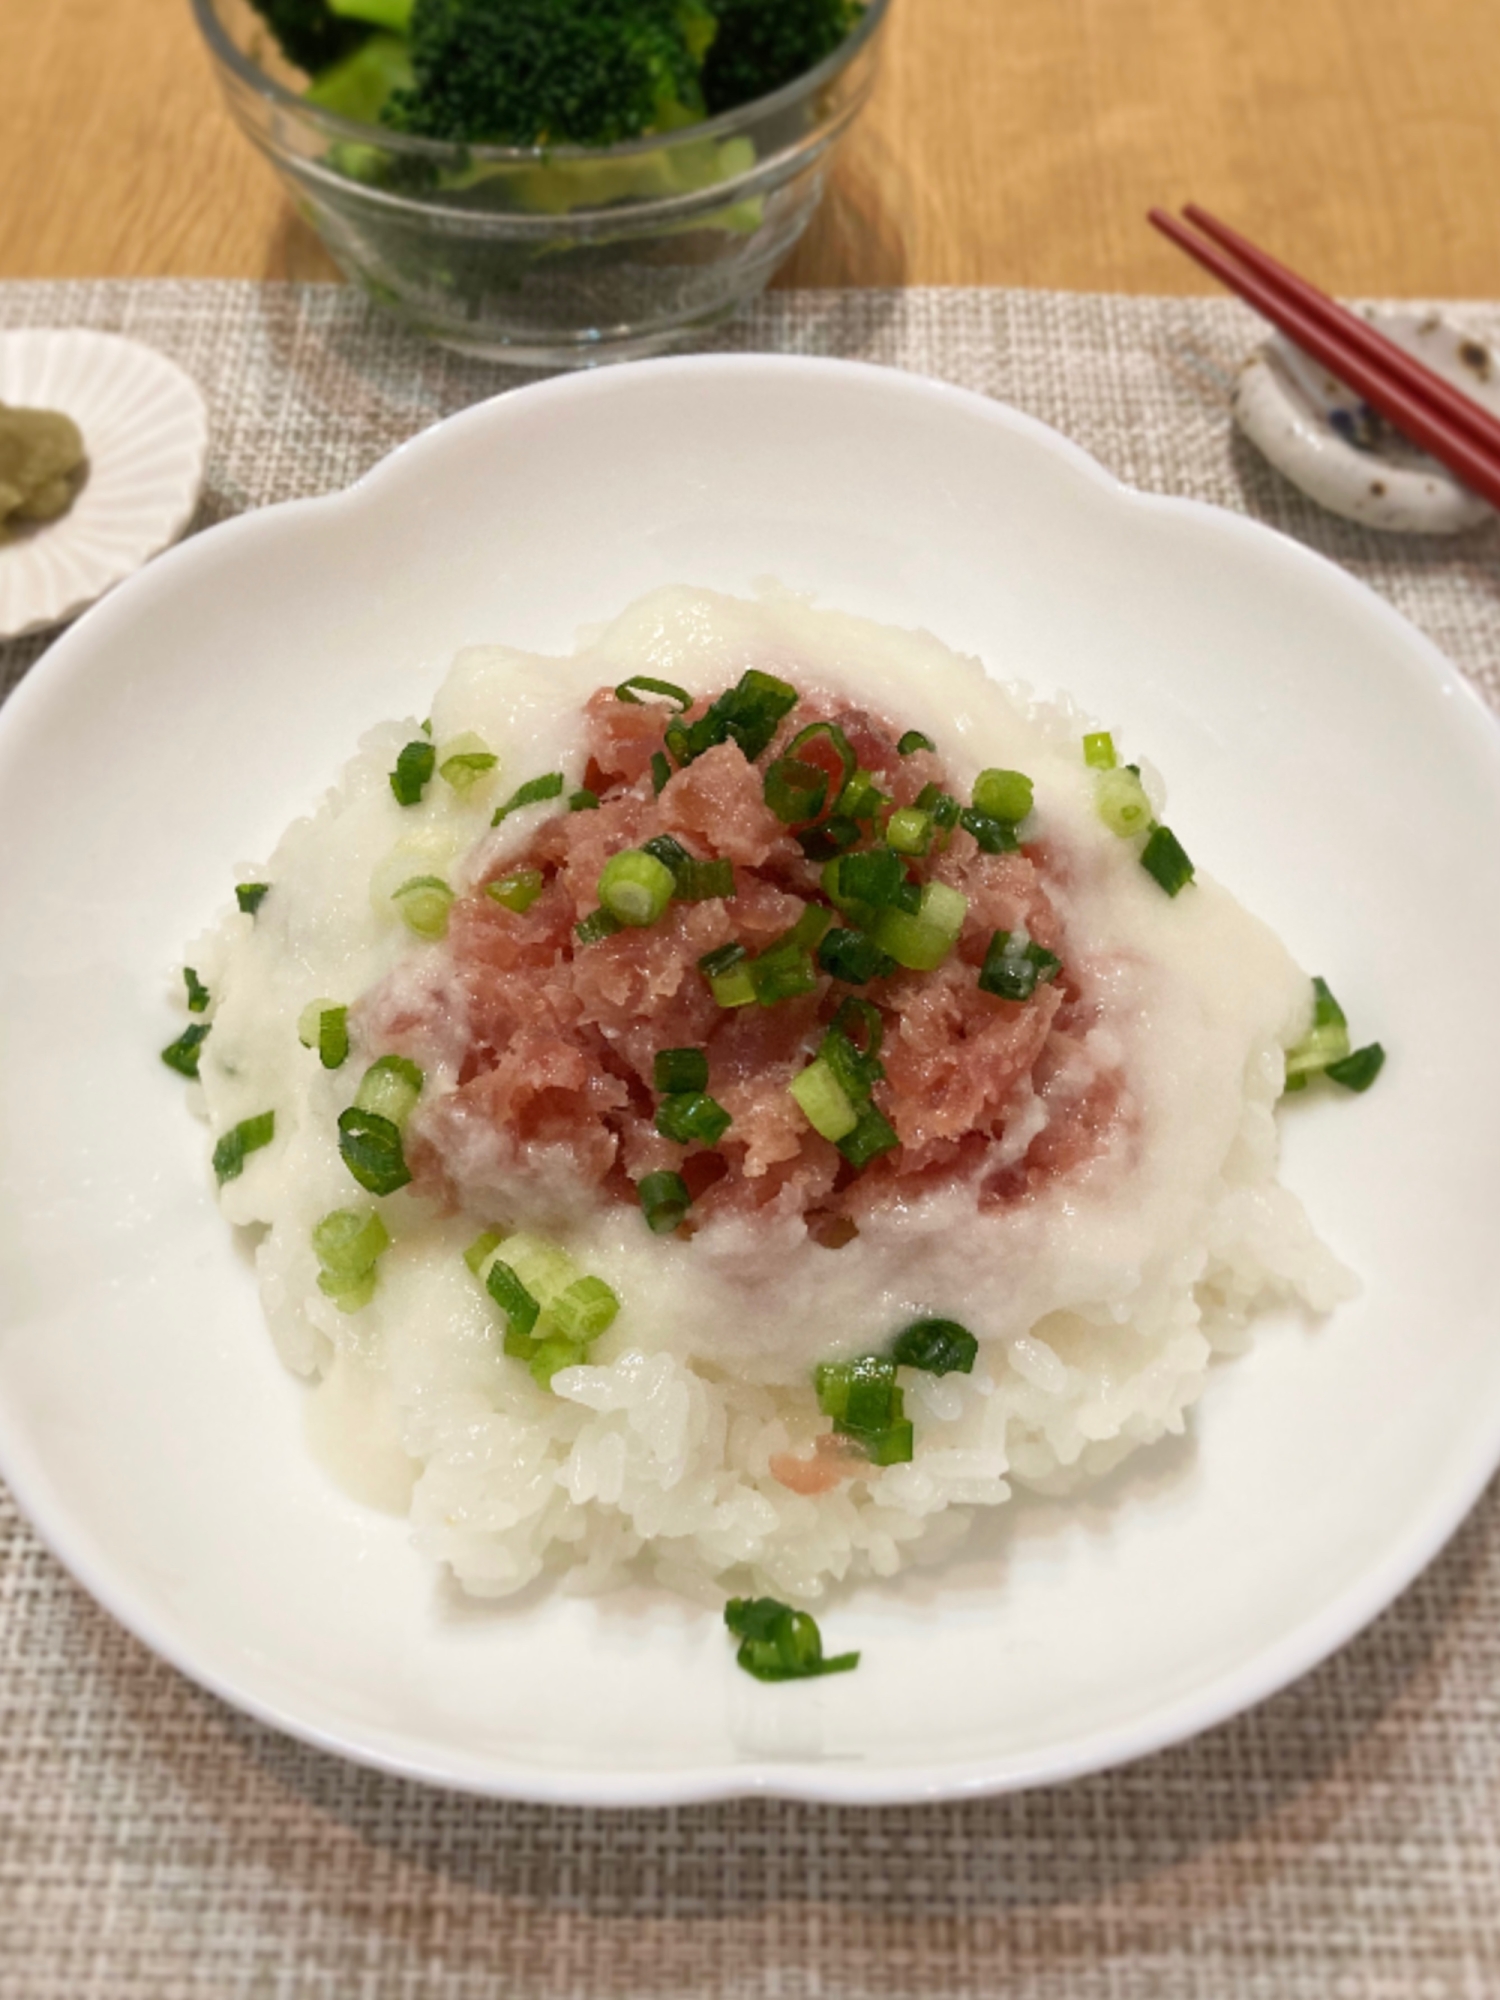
1342	1842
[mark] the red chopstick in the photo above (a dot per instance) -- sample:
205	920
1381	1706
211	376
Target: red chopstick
1428	410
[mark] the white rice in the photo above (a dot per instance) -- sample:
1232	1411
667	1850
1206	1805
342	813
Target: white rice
1098	1303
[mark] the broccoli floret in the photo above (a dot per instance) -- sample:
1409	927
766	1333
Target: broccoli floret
310	35
551	72
762	44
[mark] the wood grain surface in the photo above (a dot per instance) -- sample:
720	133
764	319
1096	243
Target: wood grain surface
1010	142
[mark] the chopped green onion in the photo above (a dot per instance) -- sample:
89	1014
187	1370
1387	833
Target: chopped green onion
1014	967
482	1247
747	714
860	1017
669	689
693	881
464	761
727	971
692	1115
197	992
350	1295
425	725
779	1644
872	880
1099	750
851	956
585	1310
1122	804
1003	795
664	1200
936	1346
1325	1043
785	969
871	1137
183	1054
914	740
661	770
548	1356
348	1241
825	842
596	927
995	836
1165	860
370	1147
531	793
856	1071
795	792
861	798
635	887
390	1087
824	1101
583	800
239	1142
942	805
413	773
423	904
250	895
680	1069
517	891
909	830
521	1310
866	1405
325	1027
1359	1070
922	941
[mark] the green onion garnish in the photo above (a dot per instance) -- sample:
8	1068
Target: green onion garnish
635	887
747	714
583	800
348	1243
867	1406
1003	795
370	1147
851	956
197	992
669	689
795	792
584	1310
505	1288
1013	968
691	1115
995	836
598	926
423	904
1359	1070
1165	860
693	881
861	798
239	1142
729	977
482	1247
1099	750
664	1200
779	1644
680	1069
921	941
413	773
517	891
325	1027
1122	804
464	761
942	805
936	1346
909	830
531	793
183	1054
785	968
914	740
661	770
250	895
872	1136
825	842
824	1101
1326	1042
390	1087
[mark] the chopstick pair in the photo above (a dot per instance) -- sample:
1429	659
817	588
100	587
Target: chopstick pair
1428	410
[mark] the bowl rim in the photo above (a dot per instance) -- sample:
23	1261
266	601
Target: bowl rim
726	124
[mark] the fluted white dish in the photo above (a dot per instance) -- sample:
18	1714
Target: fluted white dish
1324	760
145	428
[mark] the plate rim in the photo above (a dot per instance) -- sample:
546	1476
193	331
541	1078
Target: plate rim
1217	1700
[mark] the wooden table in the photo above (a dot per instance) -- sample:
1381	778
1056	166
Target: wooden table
1010	142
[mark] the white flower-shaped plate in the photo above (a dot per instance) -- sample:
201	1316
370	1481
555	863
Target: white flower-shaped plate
1323	759
145	428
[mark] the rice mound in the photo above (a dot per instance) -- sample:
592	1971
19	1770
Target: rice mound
691	1443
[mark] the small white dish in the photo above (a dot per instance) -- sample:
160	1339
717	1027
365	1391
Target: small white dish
1324	760
145	429
1341	453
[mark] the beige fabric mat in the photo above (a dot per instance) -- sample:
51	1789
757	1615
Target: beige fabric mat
1342	1842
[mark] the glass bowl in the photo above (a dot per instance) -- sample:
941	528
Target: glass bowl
560	257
